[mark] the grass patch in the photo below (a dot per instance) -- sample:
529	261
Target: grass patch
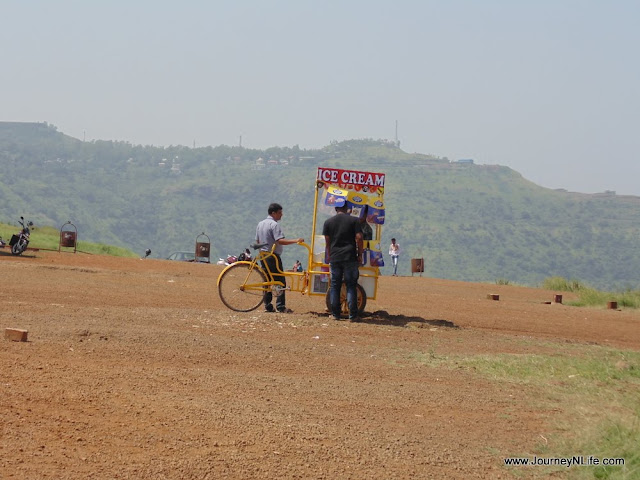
48	238
590	297
594	390
562	284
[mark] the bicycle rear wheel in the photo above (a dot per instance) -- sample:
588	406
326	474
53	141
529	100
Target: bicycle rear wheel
241	288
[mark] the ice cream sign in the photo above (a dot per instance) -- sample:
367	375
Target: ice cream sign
362	192
337	176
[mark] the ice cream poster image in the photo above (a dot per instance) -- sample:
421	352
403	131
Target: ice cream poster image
358	188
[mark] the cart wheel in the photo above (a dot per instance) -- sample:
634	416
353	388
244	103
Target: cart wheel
362	299
241	288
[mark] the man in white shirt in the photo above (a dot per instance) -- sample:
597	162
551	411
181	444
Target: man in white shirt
394	252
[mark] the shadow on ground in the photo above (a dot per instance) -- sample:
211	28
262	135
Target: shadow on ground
6	252
382	317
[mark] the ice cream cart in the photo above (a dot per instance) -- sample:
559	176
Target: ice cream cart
364	196
241	285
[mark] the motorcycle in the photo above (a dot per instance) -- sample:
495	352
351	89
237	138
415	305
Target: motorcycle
20	241
243	257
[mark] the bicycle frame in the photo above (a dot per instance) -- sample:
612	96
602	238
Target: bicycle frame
299	281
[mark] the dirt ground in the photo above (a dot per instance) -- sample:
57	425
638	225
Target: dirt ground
134	369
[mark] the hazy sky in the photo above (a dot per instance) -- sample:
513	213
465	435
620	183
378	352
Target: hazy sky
549	88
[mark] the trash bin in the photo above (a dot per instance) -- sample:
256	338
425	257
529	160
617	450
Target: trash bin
203	248
417	265
68	239
203	251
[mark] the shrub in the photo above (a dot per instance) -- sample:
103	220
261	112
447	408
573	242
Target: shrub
562	284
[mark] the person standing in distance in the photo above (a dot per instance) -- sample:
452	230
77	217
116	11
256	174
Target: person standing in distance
394	252
343	237
269	232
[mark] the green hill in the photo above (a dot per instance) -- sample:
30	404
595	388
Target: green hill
469	222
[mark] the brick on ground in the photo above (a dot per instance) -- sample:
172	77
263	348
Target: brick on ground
16	334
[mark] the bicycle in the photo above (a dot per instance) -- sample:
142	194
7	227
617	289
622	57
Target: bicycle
242	284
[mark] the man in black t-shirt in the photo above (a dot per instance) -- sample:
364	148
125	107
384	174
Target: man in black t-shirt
343	237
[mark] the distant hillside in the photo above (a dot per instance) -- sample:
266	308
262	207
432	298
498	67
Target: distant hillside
469	222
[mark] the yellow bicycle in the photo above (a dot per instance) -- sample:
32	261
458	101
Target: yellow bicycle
242	285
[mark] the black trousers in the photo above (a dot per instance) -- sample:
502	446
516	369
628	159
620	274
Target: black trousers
273	265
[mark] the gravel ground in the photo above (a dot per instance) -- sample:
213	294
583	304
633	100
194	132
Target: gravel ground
134	369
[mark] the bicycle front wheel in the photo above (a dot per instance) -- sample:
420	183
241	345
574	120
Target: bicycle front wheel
241	288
